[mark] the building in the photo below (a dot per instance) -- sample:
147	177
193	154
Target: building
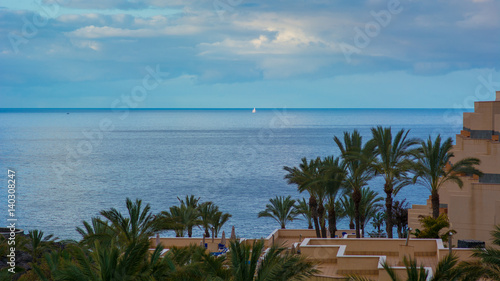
474	209
340	257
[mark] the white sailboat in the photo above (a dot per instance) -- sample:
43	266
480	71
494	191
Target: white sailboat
253	111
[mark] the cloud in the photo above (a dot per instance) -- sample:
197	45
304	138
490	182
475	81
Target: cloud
98	4
244	42
106	32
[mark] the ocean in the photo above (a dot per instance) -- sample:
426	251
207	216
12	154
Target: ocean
72	163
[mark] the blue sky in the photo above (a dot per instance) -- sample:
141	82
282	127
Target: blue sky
239	53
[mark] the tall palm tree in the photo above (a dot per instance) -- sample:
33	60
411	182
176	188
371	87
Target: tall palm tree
368	207
393	162
281	209
303	208
334	173
486	266
304	176
434	168
358	159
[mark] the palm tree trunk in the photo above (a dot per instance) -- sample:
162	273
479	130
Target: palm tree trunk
332	221
388	210
313	204
207	234
321	217
190	232
351	224
356	197
435	203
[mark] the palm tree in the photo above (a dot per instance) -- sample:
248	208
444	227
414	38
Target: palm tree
218	220
434	168
304	176
193	263
50	265
39	244
369	206
358	159
187	216
98	230
174	215
105	263
248	263
108	261
190	213
207	211
138	225
400	217
346	209
282	209
487	263
378	221
334	173
414	272
190	201
432	227
303	208
393	162
102	258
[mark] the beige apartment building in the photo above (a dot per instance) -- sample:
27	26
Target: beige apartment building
474	209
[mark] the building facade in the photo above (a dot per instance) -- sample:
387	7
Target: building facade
474	209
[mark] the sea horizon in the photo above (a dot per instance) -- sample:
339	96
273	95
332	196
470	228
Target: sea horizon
239	108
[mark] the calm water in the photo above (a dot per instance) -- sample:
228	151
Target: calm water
71	166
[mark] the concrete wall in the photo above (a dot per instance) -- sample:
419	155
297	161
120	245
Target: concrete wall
375	246
286	237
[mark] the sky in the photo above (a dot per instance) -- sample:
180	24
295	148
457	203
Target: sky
245	54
